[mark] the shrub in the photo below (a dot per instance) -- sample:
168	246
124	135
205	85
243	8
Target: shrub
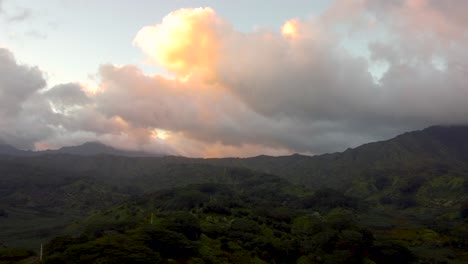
14	254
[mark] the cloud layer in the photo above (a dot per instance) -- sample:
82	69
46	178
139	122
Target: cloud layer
231	93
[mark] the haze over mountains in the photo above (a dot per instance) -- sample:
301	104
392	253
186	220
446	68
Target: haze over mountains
435	148
86	149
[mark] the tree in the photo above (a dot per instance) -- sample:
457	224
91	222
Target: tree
184	223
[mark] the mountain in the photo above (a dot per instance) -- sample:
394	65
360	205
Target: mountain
12	151
97	148
438	149
430	152
86	149
419	155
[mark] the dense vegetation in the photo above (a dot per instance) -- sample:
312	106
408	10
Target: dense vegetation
255	218
398	201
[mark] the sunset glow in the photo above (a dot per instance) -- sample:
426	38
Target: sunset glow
89	87
290	29
185	43
160	134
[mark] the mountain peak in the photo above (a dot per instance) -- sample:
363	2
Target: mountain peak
6	149
92	148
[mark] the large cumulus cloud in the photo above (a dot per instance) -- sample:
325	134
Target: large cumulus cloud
307	82
228	92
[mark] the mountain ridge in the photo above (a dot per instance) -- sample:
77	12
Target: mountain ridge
437	146
411	150
90	148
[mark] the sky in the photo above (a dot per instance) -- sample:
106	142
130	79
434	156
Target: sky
229	78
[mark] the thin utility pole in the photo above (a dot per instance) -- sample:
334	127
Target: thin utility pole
40	254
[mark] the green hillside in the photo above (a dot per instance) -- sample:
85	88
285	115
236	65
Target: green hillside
253	218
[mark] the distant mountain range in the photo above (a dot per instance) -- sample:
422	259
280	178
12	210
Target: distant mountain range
442	143
437	149
86	149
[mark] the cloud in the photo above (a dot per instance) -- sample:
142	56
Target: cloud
18	83
299	88
307	77
36	34
19	102
67	95
23	15
185	43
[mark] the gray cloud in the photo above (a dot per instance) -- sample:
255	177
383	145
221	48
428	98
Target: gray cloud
23	15
21	108
212	117
17	83
67	95
36	34
265	93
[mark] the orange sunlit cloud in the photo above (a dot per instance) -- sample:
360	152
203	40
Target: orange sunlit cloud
185	43
90	88
160	134
190	147
290	29
120	121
